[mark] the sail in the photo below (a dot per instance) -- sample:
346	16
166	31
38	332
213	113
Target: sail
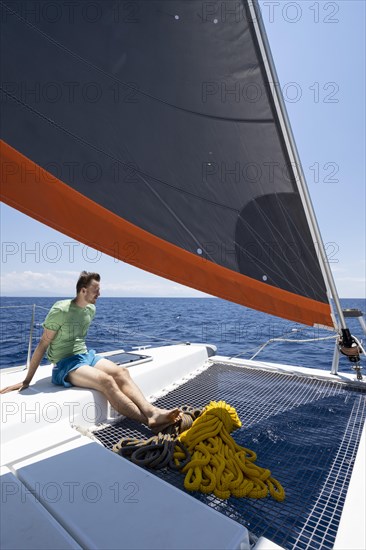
149	130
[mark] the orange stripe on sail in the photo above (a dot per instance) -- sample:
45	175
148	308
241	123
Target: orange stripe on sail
35	192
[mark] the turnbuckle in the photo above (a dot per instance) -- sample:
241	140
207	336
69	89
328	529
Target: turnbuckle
357	368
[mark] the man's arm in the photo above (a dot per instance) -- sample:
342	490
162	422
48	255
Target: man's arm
38	354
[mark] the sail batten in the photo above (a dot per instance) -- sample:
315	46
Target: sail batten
177	164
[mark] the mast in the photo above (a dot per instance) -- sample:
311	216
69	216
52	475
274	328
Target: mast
271	72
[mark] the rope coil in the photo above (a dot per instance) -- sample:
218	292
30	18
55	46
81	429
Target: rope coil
201	447
218	464
157	452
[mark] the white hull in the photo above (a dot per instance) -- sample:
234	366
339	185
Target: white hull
62	490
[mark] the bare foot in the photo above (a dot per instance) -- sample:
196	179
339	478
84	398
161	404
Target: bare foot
162	418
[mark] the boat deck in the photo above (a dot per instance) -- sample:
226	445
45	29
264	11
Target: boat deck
306	431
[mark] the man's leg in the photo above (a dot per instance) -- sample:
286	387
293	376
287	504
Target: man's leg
90	377
119	389
155	417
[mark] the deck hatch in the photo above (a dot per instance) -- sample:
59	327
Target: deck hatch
306	431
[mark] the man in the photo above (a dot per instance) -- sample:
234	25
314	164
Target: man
65	330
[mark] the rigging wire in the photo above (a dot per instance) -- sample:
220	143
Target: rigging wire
281	339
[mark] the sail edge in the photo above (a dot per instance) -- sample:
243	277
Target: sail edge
38	191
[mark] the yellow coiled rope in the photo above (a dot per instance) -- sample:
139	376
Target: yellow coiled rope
218	464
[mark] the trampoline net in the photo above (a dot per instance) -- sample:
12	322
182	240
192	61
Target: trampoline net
305	430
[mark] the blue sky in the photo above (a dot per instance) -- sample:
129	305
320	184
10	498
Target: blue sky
319	52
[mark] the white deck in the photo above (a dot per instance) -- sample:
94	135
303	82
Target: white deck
104	501
86	496
25	522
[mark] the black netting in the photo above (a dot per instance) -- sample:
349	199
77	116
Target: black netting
306	431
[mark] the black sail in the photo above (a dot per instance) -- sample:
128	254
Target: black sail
153	123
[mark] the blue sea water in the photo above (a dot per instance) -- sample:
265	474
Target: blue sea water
128	322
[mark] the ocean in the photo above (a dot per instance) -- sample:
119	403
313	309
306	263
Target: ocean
301	443
130	322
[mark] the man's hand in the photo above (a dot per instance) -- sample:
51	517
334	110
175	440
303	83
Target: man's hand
20	386
47	337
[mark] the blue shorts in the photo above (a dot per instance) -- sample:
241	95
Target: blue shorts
61	370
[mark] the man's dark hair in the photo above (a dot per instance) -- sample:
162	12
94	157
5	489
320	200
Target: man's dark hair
85	279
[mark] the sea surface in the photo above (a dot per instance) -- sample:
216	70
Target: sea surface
130	322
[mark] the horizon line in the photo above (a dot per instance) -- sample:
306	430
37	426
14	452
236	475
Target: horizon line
152	297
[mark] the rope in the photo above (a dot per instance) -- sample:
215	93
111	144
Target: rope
281	338
292	340
10	307
25	305
218	464
200	446
158	451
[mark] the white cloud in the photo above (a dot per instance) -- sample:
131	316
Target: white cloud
57	282
351	286
62	283
161	288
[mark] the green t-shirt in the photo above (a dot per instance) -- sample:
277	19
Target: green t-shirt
72	323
